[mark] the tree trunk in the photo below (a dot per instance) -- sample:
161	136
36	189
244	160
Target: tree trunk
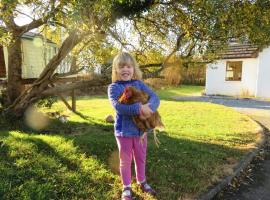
73	65
14	83
34	93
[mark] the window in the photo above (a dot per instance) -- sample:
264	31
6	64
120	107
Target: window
234	71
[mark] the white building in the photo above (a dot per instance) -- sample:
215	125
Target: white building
36	53
242	70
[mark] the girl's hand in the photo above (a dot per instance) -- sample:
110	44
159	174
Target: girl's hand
146	111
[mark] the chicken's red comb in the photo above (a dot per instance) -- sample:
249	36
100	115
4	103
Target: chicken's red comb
127	92
126	95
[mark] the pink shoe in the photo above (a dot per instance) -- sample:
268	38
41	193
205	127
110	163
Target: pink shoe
146	188
126	194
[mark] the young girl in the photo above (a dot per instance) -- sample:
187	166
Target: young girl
125	72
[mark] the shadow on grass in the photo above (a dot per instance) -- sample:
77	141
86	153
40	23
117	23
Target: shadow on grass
34	168
3	133
3	147
45	148
178	167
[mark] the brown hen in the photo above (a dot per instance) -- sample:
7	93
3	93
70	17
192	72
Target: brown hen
132	95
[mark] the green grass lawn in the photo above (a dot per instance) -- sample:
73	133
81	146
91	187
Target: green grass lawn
183	90
78	160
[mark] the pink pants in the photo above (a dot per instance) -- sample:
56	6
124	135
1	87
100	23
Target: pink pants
132	147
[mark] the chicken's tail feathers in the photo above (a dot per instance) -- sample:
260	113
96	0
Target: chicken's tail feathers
160	126
156	140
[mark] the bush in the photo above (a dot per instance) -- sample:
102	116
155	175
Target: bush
46	102
171	74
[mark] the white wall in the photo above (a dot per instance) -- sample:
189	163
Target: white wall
216	83
35	57
263	84
33	61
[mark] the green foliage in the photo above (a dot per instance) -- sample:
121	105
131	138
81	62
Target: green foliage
150	56
195	28
47	102
259	30
128	8
205	27
5	37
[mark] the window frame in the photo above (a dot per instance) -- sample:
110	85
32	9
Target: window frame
234	70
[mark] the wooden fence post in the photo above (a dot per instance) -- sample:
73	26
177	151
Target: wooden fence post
73	98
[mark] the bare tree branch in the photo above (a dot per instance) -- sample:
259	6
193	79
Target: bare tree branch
24	14
190	49
58	23
157	26
97	81
10	23
151	65
177	46
72	40
117	38
37	23
56	76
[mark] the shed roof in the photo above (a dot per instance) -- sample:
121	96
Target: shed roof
240	51
32	35
29	35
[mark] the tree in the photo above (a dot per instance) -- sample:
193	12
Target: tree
197	31
170	27
81	19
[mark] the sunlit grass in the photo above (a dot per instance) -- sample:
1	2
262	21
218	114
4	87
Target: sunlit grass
50	167
200	144
182	90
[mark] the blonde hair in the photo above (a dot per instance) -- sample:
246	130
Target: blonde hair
124	57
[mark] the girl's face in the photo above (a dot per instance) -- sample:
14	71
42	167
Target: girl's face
125	71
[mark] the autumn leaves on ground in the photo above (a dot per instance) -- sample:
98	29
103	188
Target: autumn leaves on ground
78	159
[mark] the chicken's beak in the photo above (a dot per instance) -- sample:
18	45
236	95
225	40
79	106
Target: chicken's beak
123	98
126	95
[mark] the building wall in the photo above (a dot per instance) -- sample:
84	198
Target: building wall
263	83
35	57
217	85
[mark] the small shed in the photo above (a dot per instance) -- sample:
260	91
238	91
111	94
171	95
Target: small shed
36	53
242	70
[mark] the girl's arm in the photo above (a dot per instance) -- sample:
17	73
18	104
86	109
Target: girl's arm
153	100
113	94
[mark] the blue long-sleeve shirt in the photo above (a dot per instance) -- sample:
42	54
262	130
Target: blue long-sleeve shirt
124	124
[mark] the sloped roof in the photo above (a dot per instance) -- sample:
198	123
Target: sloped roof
240	51
31	36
